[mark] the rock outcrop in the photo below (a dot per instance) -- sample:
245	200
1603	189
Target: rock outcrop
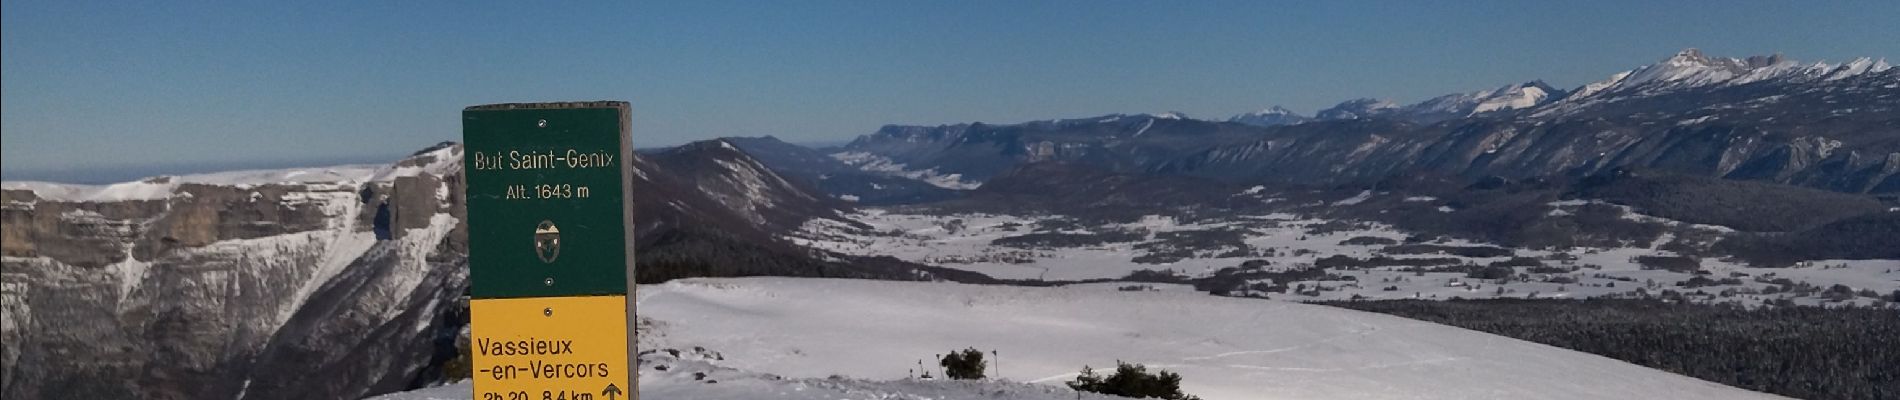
313	283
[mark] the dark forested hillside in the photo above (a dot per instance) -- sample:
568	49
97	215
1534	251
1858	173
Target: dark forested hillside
1871	236
1752	206
1803	352
694	253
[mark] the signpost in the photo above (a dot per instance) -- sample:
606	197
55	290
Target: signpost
550	254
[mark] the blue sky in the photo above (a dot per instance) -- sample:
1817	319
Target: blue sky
171	86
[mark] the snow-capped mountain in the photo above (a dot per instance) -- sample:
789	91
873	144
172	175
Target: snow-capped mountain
1509	97
1447	107
1691	69
1358	109
1759	118
974	152
1271	116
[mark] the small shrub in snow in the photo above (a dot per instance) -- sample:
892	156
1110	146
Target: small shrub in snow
1132	380
963	364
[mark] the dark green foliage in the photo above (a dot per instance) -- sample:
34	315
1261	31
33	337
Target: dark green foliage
1336	226
1516	217
1051	240
1518	262
1175	246
1872	236
1232	279
1154	276
1493	271
1803	352
1789	223
1465	251
1743	205
963	364
1546	269
681	253
1670	263
1341	261
1132	380
1369	241
1702	281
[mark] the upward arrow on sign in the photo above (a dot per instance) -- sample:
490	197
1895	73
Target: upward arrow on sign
610	391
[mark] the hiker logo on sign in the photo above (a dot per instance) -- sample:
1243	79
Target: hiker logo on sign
547	241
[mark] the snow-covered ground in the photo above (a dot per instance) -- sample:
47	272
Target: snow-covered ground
930	239
696	378
855	339
162	187
882	165
964	241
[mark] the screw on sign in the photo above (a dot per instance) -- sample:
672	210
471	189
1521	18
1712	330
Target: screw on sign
550	251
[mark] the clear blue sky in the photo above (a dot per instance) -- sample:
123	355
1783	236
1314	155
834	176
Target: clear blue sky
157	85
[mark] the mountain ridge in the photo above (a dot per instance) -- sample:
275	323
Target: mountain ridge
1755	119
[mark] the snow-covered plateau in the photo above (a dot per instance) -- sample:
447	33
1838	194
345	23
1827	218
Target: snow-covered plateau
1287	242
758	338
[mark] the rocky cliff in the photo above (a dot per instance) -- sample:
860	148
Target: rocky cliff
308	283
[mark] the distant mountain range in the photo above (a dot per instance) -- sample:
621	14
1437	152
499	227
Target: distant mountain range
1689	69
1828	126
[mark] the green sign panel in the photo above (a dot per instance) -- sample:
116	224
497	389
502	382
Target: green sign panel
548	200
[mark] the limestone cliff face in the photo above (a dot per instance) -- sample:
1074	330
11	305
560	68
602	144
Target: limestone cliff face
320	283
316	283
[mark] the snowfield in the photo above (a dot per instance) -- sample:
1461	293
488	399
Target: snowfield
963	241
791	338
695	379
1226	348
443	159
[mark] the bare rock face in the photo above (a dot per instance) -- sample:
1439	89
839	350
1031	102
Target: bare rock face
82	234
318	283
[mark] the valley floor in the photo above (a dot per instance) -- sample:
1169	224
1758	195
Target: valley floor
1196	249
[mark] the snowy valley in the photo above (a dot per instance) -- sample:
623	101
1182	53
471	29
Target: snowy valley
1309	259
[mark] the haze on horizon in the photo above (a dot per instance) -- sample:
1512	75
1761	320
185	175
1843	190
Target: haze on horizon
93	90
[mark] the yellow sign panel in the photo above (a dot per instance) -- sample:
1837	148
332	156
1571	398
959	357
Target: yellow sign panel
550	348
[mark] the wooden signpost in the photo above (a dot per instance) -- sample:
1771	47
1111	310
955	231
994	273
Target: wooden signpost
550	256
